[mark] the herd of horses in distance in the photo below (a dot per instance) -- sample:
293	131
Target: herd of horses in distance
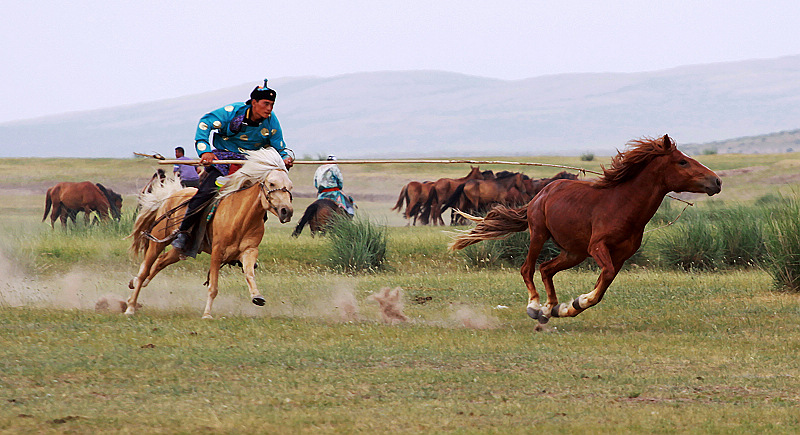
476	192
603	218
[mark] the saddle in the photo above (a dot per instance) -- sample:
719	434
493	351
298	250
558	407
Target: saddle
199	234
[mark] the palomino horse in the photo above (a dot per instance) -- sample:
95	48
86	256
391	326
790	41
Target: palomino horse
442	189
67	199
262	185
604	219
318	215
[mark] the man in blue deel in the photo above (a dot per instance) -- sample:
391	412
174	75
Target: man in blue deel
237	128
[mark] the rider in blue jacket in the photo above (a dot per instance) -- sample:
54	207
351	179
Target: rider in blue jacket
231	130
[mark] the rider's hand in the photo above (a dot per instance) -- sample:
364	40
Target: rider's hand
289	162
206	159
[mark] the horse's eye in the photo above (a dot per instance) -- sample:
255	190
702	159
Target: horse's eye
683	162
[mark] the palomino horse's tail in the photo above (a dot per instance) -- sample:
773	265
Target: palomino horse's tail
149	203
403	197
47	203
310	212
500	222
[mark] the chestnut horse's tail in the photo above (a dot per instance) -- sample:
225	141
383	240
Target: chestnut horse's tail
47	203
425	209
403	197
498	223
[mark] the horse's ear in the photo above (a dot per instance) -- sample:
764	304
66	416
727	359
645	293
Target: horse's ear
667	142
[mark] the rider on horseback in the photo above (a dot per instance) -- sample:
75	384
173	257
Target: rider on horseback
329	182
238	127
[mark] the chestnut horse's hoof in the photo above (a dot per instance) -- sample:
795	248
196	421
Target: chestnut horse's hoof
537	314
259	300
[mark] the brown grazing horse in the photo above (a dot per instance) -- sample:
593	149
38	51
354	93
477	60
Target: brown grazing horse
318	216
262	185
67	199
604	219
442	189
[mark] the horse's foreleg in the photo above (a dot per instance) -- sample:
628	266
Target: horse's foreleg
609	271
248	258
213	282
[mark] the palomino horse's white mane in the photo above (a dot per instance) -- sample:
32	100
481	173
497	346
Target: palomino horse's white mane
150	201
256	168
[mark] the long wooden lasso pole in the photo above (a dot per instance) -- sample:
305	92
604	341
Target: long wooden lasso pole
196	162
368	162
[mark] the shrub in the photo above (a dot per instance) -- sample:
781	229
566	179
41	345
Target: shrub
356	245
782	240
587	157
689	245
510	251
739	232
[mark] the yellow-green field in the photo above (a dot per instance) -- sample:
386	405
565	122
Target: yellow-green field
666	351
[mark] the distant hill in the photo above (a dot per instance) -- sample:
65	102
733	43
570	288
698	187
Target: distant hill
434	113
773	143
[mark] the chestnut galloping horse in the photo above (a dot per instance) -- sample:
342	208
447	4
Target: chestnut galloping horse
262	185
318	215
604	219
67	199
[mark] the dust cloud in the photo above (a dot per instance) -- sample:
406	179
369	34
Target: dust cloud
333	301
390	301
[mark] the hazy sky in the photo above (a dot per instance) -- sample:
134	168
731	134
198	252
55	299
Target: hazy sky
61	56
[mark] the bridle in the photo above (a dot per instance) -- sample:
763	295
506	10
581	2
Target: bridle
268	192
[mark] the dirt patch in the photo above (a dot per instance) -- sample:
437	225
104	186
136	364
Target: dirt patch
783	179
741	171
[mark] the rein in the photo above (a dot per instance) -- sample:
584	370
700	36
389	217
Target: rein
676	217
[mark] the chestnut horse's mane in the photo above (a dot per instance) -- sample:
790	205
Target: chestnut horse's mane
627	164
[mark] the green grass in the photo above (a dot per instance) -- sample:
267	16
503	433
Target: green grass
666	351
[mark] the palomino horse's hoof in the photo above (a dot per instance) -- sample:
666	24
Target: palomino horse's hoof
259	300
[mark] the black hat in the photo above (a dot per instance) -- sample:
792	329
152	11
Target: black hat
262	93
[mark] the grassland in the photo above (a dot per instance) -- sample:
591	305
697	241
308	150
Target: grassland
666	351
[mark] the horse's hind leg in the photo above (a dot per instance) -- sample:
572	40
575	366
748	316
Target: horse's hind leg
548	269
528	269
610	268
152	263
213	282
249	257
